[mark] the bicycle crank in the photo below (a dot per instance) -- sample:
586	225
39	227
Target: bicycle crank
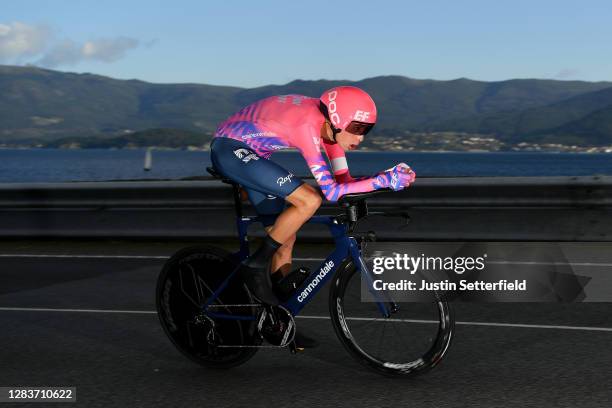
275	324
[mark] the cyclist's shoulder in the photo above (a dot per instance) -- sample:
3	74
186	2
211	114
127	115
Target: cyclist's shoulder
296	113
292	103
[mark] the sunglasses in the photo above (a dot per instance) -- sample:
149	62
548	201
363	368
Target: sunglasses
359	128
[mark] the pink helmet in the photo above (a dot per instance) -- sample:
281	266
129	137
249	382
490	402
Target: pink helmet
349	108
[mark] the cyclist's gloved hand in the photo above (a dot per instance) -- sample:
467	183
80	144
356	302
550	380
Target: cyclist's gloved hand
396	178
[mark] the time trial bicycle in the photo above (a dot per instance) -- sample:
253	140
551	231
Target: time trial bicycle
211	317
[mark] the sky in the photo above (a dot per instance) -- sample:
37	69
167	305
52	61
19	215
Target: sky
250	44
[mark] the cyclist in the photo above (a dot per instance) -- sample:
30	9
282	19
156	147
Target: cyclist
243	144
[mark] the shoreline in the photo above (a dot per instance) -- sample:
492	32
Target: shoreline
606	150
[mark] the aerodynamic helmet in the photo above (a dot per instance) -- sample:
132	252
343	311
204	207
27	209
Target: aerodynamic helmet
348	108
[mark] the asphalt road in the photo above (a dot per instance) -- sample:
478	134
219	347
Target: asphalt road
82	314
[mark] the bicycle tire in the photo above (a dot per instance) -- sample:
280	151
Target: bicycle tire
423	361
176	306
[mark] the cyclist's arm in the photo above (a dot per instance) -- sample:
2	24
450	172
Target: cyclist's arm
331	189
339	165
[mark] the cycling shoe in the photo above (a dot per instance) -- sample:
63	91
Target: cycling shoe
259	284
285	286
255	272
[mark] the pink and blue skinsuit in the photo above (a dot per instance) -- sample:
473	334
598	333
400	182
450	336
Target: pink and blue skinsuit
243	144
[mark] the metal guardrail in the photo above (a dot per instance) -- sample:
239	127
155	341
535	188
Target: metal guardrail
452	209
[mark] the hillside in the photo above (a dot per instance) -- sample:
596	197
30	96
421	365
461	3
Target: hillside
39	105
530	123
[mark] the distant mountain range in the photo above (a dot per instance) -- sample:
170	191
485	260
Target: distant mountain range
43	105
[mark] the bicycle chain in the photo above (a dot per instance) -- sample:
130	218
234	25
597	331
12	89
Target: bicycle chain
259	306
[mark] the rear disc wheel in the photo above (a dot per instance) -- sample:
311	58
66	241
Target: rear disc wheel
185	283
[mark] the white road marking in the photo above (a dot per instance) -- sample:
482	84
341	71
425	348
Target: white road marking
548	263
491	324
82	256
46	309
466	323
299	259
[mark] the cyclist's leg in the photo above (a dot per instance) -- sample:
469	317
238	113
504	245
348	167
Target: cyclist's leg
239	162
268	208
283	258
305	201
236	160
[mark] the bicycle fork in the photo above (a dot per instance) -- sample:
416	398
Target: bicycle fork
386	305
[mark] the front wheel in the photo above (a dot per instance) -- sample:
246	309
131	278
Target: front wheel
413	340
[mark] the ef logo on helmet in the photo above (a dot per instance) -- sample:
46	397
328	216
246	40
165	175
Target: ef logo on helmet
361	116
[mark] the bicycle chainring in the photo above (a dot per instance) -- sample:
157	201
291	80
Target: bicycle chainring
277	326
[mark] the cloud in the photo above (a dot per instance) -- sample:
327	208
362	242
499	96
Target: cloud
567	73
108	49
19	41
66	52
69	52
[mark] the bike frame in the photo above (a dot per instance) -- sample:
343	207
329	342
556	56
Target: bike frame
346	248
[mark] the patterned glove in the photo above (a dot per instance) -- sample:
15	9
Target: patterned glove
396	178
